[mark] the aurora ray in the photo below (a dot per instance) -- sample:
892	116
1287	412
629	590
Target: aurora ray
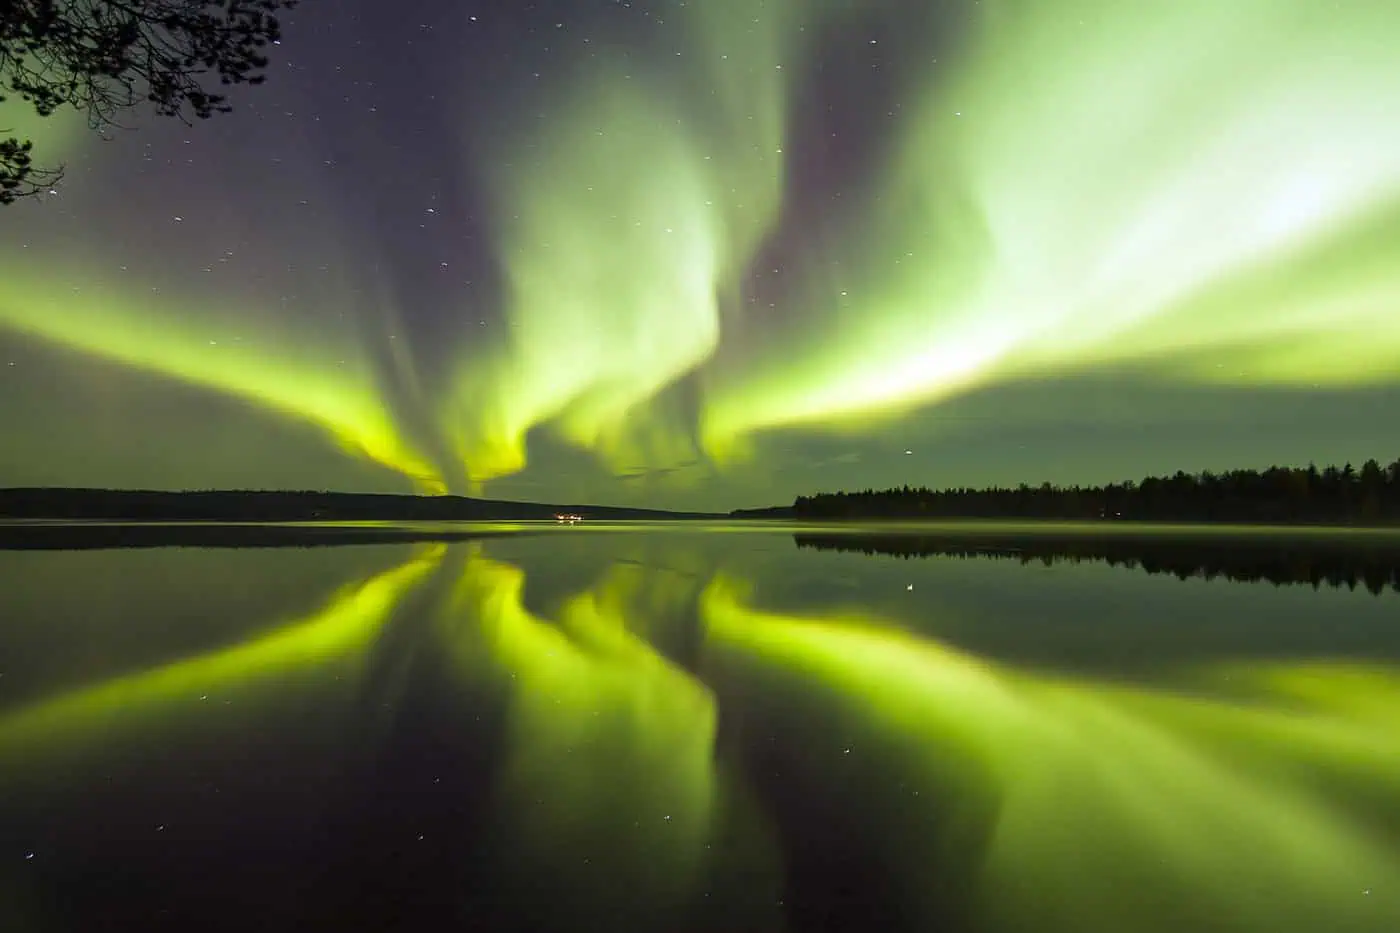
616	266
1079	195
309	379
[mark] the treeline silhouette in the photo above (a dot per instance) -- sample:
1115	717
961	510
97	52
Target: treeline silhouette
1334	495
288	506
1340	561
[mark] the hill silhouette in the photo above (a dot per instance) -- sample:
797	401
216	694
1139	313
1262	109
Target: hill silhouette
294	506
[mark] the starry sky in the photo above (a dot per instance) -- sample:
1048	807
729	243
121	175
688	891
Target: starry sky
714	255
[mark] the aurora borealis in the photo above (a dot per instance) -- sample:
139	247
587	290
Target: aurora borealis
718	254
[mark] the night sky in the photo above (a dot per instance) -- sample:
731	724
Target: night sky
715	254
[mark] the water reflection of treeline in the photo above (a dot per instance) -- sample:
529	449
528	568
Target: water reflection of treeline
1372	565
1342	495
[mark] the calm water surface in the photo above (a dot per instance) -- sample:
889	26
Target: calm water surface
703	728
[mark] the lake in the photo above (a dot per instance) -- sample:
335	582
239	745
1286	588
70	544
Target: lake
708	728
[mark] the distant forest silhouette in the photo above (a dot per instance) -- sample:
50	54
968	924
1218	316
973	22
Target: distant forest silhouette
1333	560
1334	495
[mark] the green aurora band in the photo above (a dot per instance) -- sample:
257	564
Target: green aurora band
1208	193
1209	188
315	376
616	263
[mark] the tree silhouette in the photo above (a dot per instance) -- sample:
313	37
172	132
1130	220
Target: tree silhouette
1277	495
104	57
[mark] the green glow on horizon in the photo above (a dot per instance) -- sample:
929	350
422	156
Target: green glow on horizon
1100	183
1115	799
317	378
609	759
108	712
